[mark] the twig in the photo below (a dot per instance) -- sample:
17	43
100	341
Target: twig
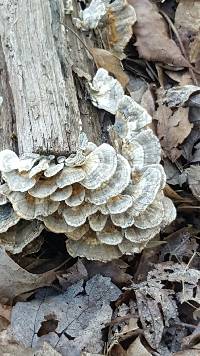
170	23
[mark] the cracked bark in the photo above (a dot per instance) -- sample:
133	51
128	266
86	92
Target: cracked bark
42	79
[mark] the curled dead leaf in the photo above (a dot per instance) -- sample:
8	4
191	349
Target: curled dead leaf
105	59
154	45
172	129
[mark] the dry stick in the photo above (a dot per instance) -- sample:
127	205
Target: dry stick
170	23
83	43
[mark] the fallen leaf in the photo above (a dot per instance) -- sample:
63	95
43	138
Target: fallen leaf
136	348
105	59
187	16
174	272
180	244
73	274
15	280
174	177
20	235
172	129
116	270
195	50
181	77
5	314
72	321
156	308
17	350
194	180
154	45
190	352
172	194
148	102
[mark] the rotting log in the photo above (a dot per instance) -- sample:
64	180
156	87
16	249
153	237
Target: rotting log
42	93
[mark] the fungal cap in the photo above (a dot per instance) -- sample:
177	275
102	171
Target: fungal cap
114	186
100	166
53	169
70	175
77	196
61	193
19	182
8	217
44	187
9	161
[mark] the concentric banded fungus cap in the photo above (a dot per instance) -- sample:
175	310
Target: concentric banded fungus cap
44	187
106	92
125	17
114	186
8	217
40	167
169	212
110	235
151	217
136	235
70	175
56	223
27	161
147	187
77	196
77	215
9	161
134	153
129	248
78	232
19	182
29	208
53	169
97	221
133	112
100	166
119	204
150	144
20	235
123	220
92	248
76	159
61	194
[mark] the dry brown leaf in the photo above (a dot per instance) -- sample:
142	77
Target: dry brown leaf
194	180
136	348
116	270
153	42
15	280
190	352
170	193
187	16
17	350
5	314
71	322
105	59
172	129
195	49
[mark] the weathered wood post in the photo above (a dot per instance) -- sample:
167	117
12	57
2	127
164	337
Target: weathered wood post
40	96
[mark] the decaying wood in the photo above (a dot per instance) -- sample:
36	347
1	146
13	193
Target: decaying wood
7	114
39	60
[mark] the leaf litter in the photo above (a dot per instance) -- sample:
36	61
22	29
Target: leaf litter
145	303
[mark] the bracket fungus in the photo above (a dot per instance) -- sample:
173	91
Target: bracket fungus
108	199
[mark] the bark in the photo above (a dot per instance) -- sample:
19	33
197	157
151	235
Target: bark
42	92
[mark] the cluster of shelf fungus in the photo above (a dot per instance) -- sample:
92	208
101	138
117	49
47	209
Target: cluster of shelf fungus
108	200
